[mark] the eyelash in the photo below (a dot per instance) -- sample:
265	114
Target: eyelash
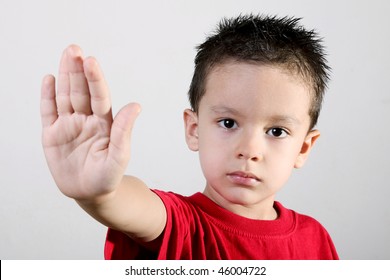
283	132
230	124
224	124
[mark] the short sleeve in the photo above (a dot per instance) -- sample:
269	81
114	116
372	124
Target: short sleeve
174	241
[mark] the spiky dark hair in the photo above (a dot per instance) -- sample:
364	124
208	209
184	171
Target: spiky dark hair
267	40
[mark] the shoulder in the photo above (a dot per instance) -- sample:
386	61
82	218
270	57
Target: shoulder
313	234
181	210
173	201
301	220
304	225
195	202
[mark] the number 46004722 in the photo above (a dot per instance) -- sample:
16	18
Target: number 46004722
249	270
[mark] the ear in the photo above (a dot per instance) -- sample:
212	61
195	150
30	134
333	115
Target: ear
191	129
307	145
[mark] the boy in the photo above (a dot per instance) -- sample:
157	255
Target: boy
255	96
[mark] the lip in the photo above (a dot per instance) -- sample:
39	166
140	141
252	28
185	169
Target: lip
243	178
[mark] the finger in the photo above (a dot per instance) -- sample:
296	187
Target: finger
63	90
119	148
99	93
49	112
79	92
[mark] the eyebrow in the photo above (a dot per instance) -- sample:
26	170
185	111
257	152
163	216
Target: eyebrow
285	119
224	110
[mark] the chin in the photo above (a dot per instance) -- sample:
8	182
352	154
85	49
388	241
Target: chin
243	197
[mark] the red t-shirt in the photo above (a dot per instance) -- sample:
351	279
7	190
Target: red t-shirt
197	228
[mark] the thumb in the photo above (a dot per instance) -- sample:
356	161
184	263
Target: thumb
122	126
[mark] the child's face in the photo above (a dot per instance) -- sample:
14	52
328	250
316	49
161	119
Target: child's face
251	130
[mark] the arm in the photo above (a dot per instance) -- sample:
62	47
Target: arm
87	150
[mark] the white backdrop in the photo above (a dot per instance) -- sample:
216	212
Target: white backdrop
146	49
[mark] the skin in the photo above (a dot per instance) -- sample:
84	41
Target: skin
251	131
87	149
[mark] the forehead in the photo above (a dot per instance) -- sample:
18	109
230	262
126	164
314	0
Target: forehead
256	89
255	70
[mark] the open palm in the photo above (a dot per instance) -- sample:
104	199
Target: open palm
87	150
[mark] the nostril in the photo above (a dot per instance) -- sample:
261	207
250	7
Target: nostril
251	158
254	158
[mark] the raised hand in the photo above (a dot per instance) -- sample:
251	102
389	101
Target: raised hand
86	149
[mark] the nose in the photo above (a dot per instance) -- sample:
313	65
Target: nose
250	147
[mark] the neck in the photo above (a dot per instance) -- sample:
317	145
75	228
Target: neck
260	210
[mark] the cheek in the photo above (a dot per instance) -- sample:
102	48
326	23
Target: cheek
277	174
210	164
213	156
280	163
211	142
284	152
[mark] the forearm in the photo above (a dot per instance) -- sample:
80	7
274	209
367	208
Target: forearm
132	208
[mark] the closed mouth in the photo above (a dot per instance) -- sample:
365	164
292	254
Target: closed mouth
244	175
243	178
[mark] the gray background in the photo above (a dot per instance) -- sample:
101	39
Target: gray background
146	49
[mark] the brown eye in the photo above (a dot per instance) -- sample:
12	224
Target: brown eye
277	132
227	123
